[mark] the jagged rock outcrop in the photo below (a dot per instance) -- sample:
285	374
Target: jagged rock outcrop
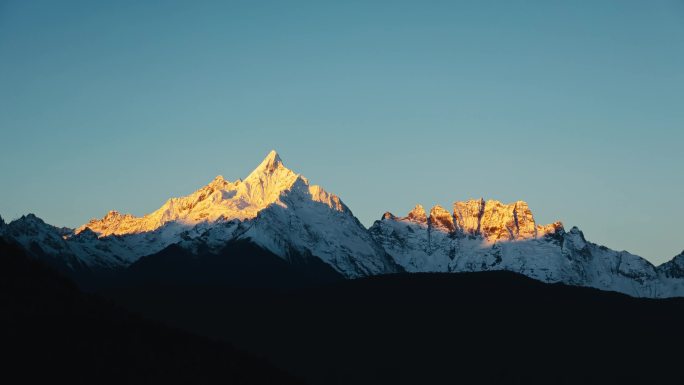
468	214
441	219
495	236
494	220
417	215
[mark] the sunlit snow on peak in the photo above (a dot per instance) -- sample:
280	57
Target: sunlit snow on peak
221	200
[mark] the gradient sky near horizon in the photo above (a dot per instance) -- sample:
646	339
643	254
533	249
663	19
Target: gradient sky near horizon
575	107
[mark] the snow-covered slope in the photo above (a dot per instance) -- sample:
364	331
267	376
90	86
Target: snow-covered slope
479	235
674	268
672	275
273	207
42	241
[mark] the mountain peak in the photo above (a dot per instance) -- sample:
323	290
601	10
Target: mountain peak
112	214
31	217
417	214
270	163
218	179
218	183
115	216
29	221
218	200
440	218
273	155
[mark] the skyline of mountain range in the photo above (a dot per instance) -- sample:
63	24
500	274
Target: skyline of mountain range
279	211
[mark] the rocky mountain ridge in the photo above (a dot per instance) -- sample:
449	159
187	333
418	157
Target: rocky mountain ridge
484	236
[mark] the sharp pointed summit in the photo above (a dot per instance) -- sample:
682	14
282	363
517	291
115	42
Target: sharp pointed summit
273	157
271	163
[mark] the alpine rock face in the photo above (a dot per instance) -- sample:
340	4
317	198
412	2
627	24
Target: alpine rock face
273	207
483	235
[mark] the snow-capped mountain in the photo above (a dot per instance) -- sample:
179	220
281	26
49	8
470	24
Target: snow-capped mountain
219	200
480	236
280	212
42	241
273	207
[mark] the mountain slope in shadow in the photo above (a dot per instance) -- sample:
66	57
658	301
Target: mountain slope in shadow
240	264
468	328
50	331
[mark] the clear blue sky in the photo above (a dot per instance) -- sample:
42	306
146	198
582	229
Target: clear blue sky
576	107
